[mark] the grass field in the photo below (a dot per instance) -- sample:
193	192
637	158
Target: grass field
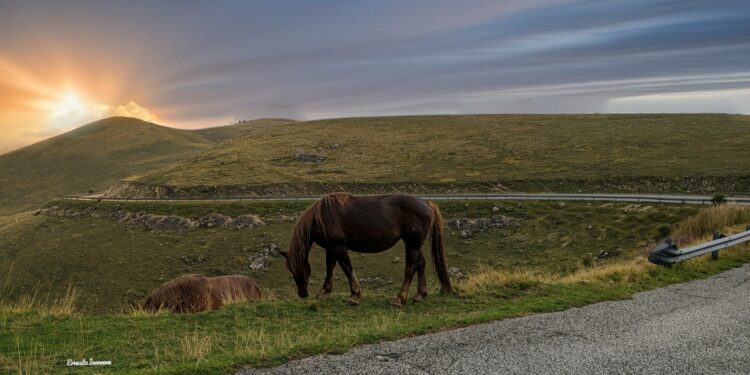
597	153
546	261
114	264
96	155
273	331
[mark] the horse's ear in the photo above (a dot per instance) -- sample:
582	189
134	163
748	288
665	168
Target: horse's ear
283	253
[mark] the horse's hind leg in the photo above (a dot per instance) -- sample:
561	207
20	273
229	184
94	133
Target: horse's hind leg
422	286
346	265
330	267
412	259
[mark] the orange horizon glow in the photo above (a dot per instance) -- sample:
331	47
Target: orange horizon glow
40	105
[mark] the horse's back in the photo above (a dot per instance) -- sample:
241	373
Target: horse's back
235	287
188	293
376	223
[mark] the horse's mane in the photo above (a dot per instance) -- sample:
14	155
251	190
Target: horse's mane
313	217
183	287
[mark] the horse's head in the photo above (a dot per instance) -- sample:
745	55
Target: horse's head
300	273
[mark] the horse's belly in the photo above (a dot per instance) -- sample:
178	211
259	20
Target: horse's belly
371	244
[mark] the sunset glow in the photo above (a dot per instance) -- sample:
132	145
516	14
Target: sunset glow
70	105
65	63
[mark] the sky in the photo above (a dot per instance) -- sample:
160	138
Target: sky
192	64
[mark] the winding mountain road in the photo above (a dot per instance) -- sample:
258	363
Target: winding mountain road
638	198
700	327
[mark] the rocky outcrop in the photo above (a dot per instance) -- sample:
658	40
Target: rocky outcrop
154	221
480	224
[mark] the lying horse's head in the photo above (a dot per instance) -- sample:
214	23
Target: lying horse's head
300	272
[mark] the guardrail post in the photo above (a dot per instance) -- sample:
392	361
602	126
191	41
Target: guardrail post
715	254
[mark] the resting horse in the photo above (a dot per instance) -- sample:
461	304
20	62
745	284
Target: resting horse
194	293
368	224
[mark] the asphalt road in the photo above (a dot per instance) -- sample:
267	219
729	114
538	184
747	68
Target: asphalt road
700	327
638	198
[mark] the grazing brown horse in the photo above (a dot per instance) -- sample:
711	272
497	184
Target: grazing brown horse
195	293
369	224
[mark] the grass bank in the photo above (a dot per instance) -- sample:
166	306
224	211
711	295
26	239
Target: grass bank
277	329
271	332
114	262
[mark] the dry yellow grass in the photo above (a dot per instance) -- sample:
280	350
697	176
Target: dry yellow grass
707	220
696	229
197	345
487	278
62	305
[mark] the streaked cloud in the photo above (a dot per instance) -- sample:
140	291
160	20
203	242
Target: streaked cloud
205	63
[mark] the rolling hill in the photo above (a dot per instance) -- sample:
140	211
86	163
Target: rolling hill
702	153
97	155
222	133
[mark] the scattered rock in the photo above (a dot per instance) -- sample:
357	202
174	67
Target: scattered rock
334	146
260	260
455	273
608	254
496	209
465	234
374	280
273	250
245	221
152	221
482	223
307	157
214	220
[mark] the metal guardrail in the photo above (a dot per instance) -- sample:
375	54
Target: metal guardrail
636	198
667	253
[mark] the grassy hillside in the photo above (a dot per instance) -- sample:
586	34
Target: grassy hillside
95	156
113	262
221	133
648	153
39	337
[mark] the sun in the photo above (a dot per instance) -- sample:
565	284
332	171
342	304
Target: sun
69	105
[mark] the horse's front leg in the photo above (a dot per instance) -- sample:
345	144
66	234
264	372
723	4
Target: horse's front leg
346	266
325	291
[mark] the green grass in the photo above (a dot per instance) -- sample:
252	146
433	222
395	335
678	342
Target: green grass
271	332
647	153
113	264
537	266
221	133
97	155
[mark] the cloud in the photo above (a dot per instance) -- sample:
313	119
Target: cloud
129	109
728	101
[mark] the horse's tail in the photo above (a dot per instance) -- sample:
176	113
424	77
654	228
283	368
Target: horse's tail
437	243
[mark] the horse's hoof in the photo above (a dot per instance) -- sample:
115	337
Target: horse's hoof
396	302
323	294
352	302
418	298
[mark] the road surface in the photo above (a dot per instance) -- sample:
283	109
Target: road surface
700	327
638	198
